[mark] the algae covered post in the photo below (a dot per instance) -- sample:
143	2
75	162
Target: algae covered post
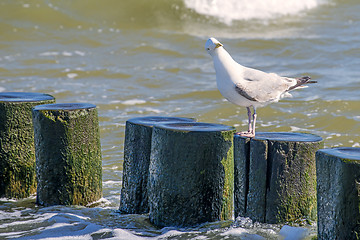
137	148
258	167
338	193
241	176
68	154
281	177
191	174
17	153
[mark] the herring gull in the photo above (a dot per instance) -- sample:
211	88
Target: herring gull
249	87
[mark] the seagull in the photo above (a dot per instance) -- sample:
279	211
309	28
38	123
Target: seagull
248	87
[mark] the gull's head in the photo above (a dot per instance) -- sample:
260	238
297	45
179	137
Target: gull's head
211	45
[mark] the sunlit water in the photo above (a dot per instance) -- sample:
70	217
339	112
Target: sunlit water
141	58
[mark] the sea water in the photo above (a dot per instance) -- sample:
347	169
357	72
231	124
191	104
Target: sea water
141	58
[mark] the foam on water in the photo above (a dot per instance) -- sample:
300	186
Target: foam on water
293	233
241	233
133	101
228	11
71	75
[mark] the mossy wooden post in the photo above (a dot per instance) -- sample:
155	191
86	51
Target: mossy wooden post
338	193
250	203
17	153
191	174
258	167
137	148
279	185
241	174
68	154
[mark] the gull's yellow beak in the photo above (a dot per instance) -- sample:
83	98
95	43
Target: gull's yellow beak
218	45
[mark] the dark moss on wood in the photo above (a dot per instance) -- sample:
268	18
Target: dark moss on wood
68	154
137	149
17	153
191	174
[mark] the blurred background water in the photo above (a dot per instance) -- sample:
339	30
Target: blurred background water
147	57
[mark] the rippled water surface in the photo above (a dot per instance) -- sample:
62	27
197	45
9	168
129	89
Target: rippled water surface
141	58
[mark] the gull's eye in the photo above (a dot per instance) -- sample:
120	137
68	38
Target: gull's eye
208	49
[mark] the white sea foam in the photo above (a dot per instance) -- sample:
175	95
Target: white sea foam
154	110
241	233
121	234
230	10
170	233
64	53
293	233
115	101
297	129
133	102
67	54
235	232
111	183
46	54
8	200
80	53
40	218
72	75
7	215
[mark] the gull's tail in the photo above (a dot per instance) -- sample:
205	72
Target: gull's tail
301	81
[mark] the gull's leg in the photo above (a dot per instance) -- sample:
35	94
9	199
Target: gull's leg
254	122
251	127
249	118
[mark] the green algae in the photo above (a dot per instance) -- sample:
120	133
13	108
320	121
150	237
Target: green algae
17	152
279	186
228	164
190	177
68	154
296	185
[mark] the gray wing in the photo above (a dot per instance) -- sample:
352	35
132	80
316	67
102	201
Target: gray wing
262	87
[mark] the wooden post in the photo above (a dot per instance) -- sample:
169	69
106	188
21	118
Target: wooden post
275	178
338	193
137	148
191	174
258	170
17	153
68	154
241	174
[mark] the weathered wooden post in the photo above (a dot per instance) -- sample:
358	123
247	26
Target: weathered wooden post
241	174
275	178
17	153
68	154
257	179
191	174
338	193
137	148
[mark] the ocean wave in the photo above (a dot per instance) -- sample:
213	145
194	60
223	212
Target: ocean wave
127	14
228	11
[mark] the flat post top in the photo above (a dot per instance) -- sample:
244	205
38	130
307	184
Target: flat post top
150	121
24	97
195	127
351	153
286	137
64	106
